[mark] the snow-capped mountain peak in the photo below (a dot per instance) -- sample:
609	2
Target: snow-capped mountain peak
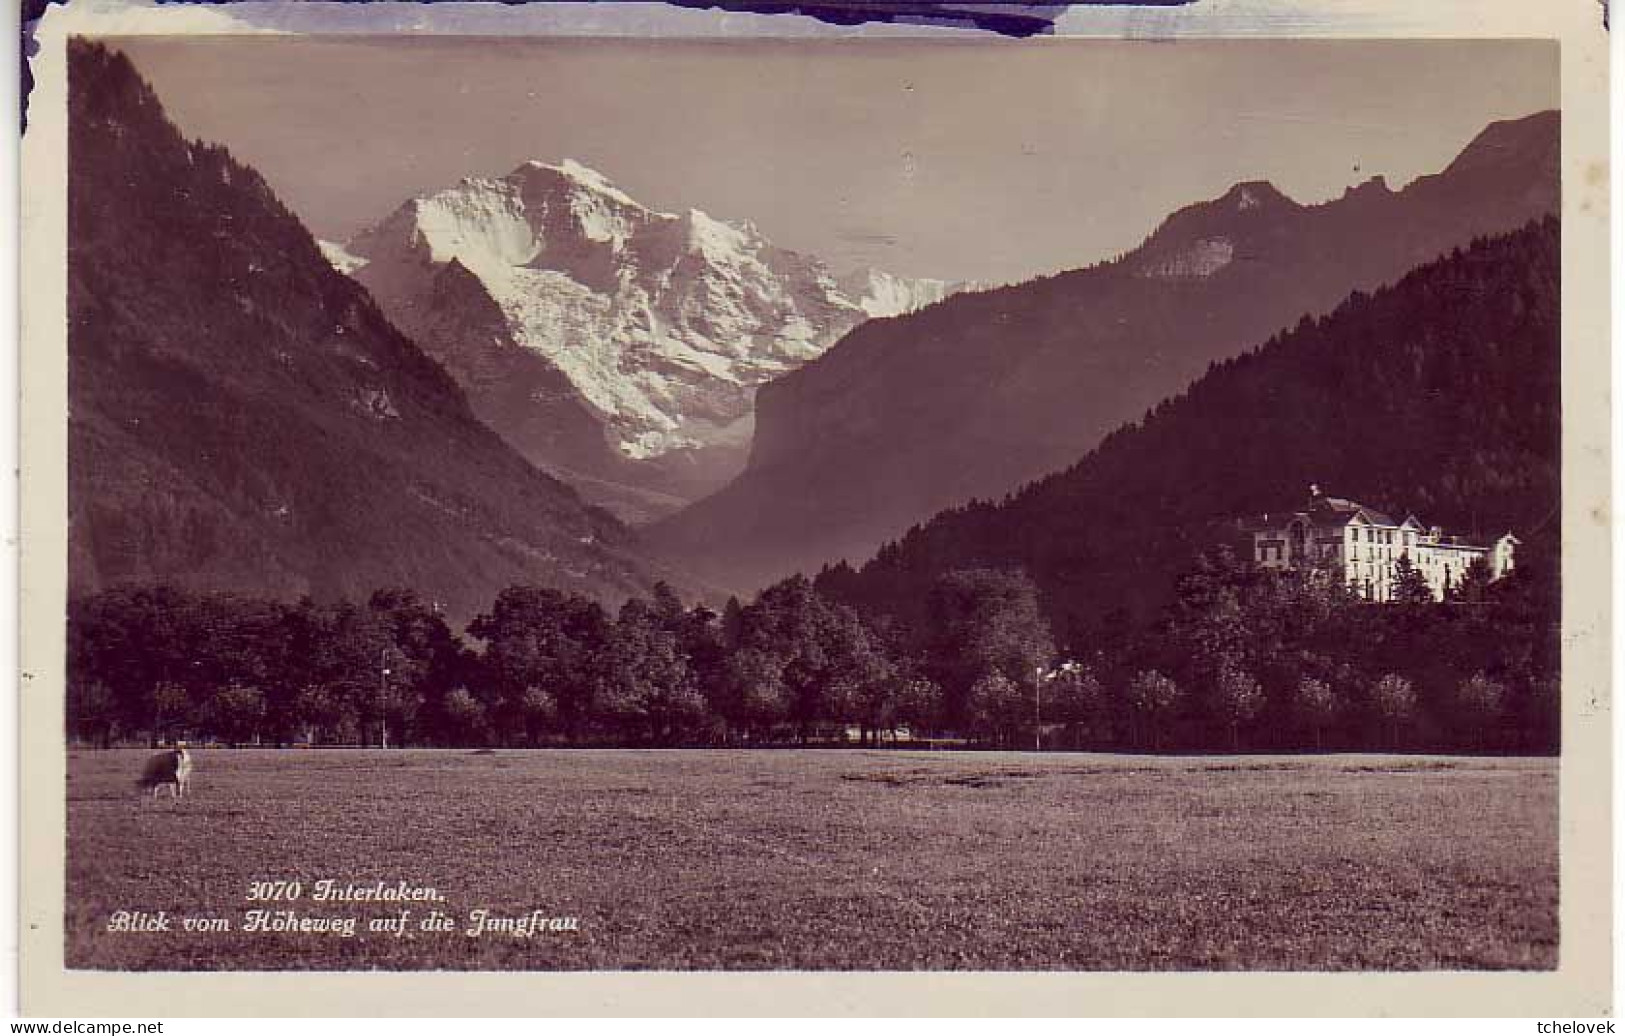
584	175
717	240
664	323
482	223
881	294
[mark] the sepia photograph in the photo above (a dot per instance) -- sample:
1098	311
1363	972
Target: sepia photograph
867	504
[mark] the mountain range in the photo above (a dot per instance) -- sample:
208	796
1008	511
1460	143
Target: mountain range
977	394
242	417
615	345
253	410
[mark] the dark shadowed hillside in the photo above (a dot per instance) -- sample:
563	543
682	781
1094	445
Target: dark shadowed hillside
983	391
1438	396
242	416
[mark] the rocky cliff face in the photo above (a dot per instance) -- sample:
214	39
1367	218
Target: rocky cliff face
243	417
986	390
603	339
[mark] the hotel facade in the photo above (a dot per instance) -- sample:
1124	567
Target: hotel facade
1362	545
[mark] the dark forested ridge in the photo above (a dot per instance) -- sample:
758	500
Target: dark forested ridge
1439	396
243	418
986	390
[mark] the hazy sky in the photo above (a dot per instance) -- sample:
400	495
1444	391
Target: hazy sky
961	159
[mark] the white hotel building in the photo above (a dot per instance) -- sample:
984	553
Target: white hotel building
1363	544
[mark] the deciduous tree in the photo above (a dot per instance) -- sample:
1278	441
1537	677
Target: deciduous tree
235	713
1239	698
1316	706
1153	699
1394	701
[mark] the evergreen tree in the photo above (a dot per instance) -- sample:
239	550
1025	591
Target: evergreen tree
1473	587
1409	585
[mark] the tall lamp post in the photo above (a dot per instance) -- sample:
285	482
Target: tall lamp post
1038	710
1038	704
383	696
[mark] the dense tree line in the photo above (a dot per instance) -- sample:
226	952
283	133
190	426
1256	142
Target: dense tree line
155	663
1252	658
1244	659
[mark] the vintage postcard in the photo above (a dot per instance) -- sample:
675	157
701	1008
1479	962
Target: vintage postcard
651	508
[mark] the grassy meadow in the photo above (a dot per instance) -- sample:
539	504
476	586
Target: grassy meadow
883	860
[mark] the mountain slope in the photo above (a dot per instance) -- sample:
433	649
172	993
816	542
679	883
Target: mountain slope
1439	396
242	417
972	396
601	338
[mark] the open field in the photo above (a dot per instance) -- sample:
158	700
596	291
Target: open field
829	859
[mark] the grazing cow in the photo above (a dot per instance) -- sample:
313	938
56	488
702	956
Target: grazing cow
172	770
